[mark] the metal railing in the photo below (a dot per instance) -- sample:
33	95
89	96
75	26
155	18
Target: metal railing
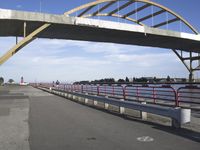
164	95
153	94
188	95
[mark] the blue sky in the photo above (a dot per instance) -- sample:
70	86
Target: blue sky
47	60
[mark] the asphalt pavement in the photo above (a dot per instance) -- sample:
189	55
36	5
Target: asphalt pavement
56	123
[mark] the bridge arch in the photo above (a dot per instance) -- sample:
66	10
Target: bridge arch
111	13
88	13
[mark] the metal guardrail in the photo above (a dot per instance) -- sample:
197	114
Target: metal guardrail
189	95
152	94
165	95
179	116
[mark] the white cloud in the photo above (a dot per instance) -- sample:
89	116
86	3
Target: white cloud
47	60
89	47
144	60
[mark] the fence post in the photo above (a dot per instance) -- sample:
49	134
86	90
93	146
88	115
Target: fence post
98	90
124	92
86	88
81	88
105	90
177	95
113	90
137	93
154	96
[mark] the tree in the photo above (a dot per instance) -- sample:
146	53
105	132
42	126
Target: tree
10	81
127	79
1	80
154	79
121	81
134	79
168	79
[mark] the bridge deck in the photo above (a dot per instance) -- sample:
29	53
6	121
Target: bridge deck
57	123
11	24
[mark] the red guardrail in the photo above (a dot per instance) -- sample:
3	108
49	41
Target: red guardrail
166	94
153	94
188	95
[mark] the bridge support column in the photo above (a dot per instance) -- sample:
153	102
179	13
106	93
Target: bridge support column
23	43
191	60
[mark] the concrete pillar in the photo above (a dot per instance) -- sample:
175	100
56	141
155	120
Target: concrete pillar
95	103
74	97
121	109
66	95
143	115
106	105
69	96
184	116
79	98
86	99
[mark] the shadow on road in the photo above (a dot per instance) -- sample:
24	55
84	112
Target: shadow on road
183	132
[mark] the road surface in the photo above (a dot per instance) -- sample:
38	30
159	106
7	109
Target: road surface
56	123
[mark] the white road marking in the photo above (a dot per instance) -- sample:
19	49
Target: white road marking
145	139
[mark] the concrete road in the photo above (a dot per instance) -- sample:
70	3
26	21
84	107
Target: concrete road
56	123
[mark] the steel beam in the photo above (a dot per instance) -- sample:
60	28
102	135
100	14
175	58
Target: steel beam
193	58
103	8
86	10
151	15
180	57
165	22
147	4
121	7
136	10
22	43
189	65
